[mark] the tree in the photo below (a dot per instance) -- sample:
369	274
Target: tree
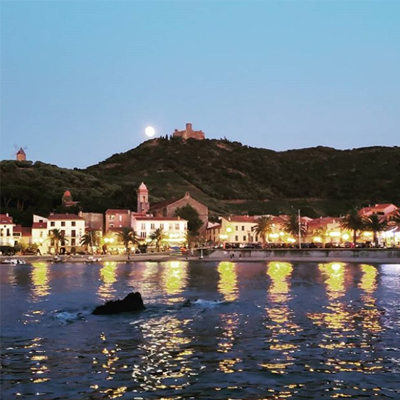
56	236
158	236
126	236
354	222
376	224
90	239
291	226
191	215
263	227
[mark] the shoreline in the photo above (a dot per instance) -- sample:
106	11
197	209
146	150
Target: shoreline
295	257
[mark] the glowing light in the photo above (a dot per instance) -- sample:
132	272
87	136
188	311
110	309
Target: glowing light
273	235
317	239
345	236
149	131
334	234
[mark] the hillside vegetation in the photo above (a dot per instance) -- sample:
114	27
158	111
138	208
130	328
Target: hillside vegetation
226	176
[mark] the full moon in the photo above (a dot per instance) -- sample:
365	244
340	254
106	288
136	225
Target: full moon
149	131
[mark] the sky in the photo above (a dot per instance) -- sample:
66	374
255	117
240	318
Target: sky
80	80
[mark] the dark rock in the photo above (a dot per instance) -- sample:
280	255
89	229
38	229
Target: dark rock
131	303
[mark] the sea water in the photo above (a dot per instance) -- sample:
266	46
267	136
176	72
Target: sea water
255	330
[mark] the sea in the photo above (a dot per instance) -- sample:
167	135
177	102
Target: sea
252	330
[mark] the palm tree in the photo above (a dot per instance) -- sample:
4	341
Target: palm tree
126	236
376	224
354	222
263	227
56	236
291	226
90	239
158	236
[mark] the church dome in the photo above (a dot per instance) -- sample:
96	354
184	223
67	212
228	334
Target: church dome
142	187
67	194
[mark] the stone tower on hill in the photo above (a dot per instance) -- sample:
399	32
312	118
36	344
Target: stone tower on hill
189	133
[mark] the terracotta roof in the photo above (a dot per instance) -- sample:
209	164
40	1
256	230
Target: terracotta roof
214	226
375	208
67	193
159	219
241	218
39	225
163	204
114	211
24	231
323	221
5	219
58	217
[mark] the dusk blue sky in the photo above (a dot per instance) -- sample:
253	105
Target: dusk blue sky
80	80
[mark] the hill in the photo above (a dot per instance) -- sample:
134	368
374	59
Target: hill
227	176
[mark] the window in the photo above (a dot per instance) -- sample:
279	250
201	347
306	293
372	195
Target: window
120	217
236	238
242	227
73	233
142	234
244	238
73	242
8	232
177	227
73	223
111	225
52	223
62	223
236	228
153	226
143	227
170	227
161	226
111	217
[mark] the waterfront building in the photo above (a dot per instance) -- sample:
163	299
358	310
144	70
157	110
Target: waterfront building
72	227
6	230
174	228
379	209
22	235
40	234
93	221
117	219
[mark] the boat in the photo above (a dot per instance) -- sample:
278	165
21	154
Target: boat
92	259
13	261
57	259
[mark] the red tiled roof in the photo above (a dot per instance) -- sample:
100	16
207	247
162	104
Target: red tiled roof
5	219
24	231
159	219
59	217
113	211
39	225
163	204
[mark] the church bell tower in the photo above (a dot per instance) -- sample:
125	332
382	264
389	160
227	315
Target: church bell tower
143	199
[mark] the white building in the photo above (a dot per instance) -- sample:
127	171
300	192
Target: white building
6	230
73	228
174	228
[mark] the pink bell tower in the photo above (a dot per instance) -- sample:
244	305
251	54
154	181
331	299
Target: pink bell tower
143	199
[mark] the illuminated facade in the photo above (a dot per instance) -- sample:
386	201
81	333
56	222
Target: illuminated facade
6	230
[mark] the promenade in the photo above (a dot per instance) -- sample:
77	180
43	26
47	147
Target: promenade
391	256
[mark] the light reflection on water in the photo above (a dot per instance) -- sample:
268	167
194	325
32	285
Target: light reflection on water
277	330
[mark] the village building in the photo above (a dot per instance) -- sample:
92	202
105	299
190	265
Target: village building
40	235
378	209
22	235
93	221
71	226
167	208
174	228
6	230
189	133
117	219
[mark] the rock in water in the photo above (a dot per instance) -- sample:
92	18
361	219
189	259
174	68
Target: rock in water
132	302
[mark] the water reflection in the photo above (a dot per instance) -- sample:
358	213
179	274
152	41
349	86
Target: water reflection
280	317
38	361
108	277
166	355
40	279
228	287
370	315
174	280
